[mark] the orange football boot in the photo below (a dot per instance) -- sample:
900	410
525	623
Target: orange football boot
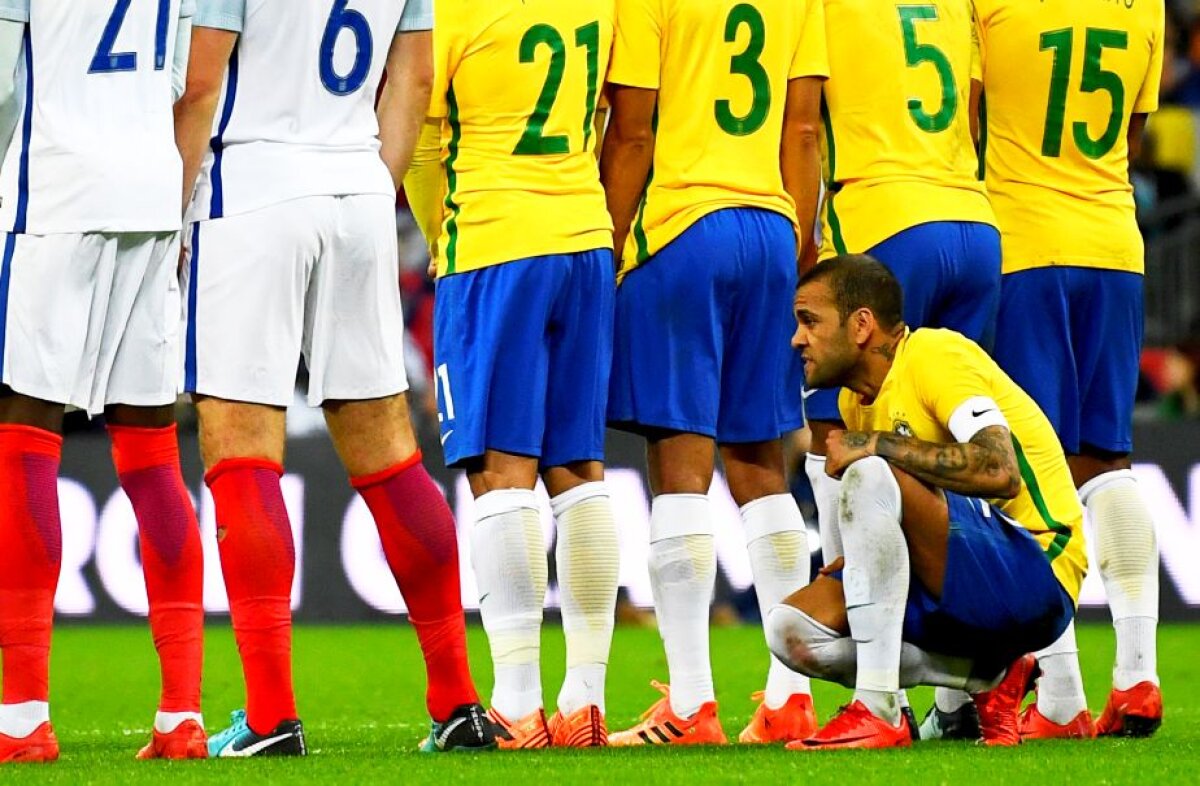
583	728
524	733
855	726
1136	712
661	726
40	746
187	741
1036	726
999	723
795	720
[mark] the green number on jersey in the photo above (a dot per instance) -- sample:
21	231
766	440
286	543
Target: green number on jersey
746	64
534	141
914	55
1094	79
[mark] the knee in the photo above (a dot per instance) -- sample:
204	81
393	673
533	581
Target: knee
794	642
867	481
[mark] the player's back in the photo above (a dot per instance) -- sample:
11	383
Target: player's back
721	69
1061	79
297	116
518	82
898	147
94	149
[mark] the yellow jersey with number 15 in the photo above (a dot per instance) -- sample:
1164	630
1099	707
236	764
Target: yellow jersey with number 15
936	380
1061	79
721	69
518	82
898	148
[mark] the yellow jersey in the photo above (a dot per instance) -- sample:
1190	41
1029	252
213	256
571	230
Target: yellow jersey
721	69
518	82
1061	79
937	372
898	150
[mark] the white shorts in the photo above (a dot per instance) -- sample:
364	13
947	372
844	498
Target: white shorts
318	276
91	319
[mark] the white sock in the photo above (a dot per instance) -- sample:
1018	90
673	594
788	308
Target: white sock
587	559
1128	552
875	580
1060	690
21	720
950	700
510	568
683	570
167	722
777	540
826	492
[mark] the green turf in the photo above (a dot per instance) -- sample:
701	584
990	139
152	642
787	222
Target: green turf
360	692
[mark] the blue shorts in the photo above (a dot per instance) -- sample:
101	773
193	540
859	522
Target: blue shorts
1000	598
522	353
950	274
1072	338
703	333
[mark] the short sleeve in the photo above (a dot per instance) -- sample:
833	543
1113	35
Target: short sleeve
221	14
417	16
947	371
1147	98
637	44
14	10
449	44
811	57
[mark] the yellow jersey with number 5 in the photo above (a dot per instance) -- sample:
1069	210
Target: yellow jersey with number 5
1061	79
898	149
518	82
721	69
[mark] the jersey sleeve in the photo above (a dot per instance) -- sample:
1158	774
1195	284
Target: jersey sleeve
14	10
417	16
187	9
948	372
811	57
221	14
637	45
1147	97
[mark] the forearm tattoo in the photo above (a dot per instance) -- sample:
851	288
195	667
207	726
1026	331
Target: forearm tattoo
984	467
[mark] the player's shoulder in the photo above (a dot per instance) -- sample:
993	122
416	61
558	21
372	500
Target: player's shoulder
933	347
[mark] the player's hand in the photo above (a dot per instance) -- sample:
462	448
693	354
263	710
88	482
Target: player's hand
843	448
833	567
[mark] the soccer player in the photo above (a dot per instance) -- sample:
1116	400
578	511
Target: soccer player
903	186
937	586
293	251
711	168
1068	87
89	313
523	334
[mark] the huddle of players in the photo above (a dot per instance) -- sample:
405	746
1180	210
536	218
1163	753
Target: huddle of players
711	155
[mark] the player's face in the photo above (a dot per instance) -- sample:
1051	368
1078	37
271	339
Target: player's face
821	338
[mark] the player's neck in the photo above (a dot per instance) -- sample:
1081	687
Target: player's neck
877	360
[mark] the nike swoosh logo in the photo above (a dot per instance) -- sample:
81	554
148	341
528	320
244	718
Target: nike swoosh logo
804	394
446	436
446	732
975	414
250	750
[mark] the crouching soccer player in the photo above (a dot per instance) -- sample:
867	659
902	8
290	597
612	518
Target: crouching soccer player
89	318
962	532
293	250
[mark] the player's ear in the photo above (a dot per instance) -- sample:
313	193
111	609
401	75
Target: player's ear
861	325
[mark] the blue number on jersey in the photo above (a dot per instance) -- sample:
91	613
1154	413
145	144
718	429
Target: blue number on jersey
106	61
341	19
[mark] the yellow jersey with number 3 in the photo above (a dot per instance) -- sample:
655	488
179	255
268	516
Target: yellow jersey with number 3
518	82
1061	79
721	69
898	148
934	374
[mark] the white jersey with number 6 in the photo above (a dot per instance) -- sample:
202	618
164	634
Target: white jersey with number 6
94	147
297	117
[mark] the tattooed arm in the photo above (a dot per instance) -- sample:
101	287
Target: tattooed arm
984	467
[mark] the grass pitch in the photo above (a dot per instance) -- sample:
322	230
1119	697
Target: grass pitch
361	697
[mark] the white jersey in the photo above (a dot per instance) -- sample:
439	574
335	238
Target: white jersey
94	147
297	115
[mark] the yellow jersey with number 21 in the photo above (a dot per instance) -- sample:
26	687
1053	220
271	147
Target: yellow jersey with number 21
518	82
1061	79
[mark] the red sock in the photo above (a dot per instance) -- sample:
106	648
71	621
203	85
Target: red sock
258	560
147	462
417	530
30	558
